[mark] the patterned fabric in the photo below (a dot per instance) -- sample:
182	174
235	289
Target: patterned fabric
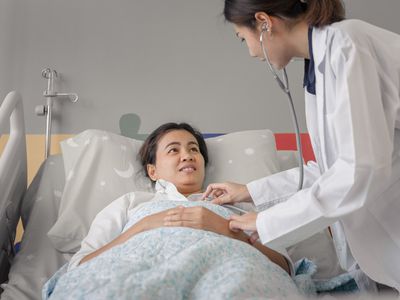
339	285
174	263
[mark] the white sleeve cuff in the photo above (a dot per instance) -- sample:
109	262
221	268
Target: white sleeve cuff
264	195
278	187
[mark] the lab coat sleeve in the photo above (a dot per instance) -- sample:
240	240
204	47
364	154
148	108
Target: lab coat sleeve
106	226
276	188
363	139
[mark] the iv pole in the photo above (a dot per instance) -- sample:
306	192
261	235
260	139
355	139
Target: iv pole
46	110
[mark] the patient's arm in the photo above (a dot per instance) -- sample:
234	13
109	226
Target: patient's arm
202	218
274	256
147	223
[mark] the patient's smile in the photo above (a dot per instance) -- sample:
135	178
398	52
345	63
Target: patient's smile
187	169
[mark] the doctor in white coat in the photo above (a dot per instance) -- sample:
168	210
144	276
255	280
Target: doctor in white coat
352	95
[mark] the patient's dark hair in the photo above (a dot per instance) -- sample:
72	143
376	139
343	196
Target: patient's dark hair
317	13
147	152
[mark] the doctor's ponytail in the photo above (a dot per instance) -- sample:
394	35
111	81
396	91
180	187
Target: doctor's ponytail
317	13
324	12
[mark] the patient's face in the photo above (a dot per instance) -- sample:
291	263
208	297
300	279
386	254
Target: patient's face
178	160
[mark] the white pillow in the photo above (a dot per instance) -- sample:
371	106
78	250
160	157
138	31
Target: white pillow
101	166
241	156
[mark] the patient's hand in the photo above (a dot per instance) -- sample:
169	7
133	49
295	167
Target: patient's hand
152	221
200	218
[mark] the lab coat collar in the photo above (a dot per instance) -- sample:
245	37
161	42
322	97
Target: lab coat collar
169	191
319	42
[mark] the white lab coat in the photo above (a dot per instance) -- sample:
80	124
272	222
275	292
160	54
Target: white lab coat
354	125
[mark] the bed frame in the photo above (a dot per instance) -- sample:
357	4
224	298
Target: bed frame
13	176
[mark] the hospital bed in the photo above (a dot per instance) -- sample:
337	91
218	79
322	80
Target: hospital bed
41	205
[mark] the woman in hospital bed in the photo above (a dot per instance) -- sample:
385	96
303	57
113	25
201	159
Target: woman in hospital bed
135	249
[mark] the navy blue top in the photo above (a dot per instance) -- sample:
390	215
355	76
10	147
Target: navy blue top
309	72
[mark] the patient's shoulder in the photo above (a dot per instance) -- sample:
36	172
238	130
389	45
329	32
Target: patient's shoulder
125	203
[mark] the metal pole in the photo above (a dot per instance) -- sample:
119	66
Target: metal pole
48	126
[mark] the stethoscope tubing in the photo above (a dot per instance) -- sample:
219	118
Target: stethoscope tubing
284	85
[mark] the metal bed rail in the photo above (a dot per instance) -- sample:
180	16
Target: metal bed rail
13	176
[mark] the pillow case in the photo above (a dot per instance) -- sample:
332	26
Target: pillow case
101	166
241	156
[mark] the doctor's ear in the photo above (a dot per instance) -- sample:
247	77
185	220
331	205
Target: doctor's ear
151	171
264	20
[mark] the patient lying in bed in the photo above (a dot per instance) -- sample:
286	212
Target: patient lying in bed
134	251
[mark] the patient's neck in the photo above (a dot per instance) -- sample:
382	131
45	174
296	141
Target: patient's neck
188	192
188	188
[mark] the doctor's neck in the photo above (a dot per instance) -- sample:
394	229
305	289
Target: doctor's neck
297	39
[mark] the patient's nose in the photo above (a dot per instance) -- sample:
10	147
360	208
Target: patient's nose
187	156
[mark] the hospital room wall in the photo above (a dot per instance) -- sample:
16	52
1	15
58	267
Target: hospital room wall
163	60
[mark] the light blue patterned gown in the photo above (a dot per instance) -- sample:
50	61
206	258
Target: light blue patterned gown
174	263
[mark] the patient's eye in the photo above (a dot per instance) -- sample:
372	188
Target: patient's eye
172	150
194	149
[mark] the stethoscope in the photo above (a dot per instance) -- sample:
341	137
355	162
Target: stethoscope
284	85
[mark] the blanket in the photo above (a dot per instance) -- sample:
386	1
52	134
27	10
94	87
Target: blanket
174	263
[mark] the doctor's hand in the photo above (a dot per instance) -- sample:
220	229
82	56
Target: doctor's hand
245	222
227	192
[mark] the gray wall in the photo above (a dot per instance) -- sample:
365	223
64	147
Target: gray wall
165	60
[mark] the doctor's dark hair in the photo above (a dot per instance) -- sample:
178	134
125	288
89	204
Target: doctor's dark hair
147	152
317	13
